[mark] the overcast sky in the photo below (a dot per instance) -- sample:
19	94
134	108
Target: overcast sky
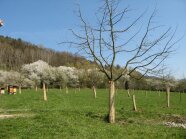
46	22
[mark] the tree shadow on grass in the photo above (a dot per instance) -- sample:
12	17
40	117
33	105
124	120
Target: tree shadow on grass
99	116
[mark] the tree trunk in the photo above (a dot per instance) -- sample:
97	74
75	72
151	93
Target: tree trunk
60	88
128	92
111	102
168	96
44	92
20	89
79	89
134	103
94	91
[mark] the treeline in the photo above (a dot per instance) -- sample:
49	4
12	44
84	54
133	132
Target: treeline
16	52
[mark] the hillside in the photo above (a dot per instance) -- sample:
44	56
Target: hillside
16	52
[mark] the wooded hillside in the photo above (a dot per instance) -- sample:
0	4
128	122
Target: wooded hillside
16	52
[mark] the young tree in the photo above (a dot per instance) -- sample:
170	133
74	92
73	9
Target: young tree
14	78
181	86
168	82
48	75
110	39
39	71
72	76
18	79
83	78
5	78
95	77
61	77
30	70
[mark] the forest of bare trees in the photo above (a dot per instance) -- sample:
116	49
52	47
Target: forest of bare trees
16	52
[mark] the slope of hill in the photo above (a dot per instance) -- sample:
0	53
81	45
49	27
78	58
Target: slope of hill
16	52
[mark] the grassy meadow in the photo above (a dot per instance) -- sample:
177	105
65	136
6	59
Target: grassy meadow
79	115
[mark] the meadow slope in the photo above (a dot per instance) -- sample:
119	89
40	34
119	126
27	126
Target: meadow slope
79	115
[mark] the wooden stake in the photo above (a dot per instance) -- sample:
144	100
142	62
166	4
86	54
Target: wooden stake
36	88
66	90
168	96
134	103
19	89
44	92
94	91
128	92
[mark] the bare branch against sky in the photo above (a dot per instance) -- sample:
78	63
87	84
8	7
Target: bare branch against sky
106	42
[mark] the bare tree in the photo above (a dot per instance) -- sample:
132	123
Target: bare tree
107	41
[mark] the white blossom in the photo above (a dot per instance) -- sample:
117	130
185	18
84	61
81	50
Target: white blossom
71	74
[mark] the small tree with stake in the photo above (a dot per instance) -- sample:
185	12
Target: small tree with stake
168	82
105	42
39	71
94	77
61	77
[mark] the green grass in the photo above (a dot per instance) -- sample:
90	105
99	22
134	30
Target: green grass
79	115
